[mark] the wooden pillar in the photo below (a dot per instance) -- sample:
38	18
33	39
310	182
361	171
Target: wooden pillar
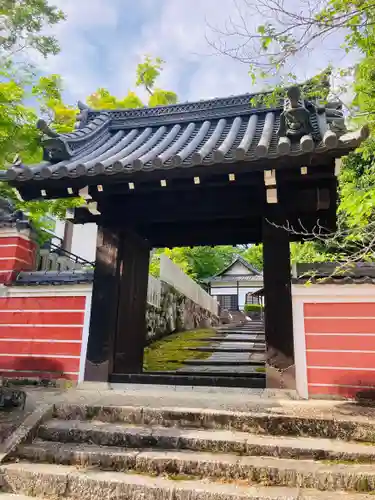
280	372
131	326
99	358
68	236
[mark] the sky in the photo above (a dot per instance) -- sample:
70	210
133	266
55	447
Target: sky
102	41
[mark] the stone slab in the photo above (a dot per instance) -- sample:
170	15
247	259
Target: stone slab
56	481
225	441
262	416
53	481
230	339
229	349
274	403
13	496
227	370
224	362
26	431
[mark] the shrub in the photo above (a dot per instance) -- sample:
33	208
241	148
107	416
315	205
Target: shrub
253	307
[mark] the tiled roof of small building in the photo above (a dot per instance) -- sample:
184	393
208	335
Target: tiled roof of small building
234	277
335	273
222	276
221	130
27	278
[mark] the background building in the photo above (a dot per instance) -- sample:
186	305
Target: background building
232	286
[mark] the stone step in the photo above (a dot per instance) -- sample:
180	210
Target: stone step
229	370
56	482
225	349
257	421
241	332
221	467
234	339
195	378
13	496
223	441
208	362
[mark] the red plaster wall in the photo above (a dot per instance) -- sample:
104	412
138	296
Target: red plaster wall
16	254
41	337
340	347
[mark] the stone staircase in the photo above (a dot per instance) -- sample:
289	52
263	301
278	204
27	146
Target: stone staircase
113	452
238	348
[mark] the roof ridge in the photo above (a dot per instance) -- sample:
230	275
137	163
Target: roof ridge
241	259
213	100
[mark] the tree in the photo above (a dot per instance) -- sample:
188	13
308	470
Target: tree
22	23
270	50
203	262
146	76
19	134
290	30
254	255
197	262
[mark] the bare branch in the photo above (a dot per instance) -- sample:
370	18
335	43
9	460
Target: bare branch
292	31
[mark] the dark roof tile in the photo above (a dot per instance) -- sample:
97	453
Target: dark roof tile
26	278
221	130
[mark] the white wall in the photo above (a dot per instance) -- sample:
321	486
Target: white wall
172	274
238	268
232	290
83	241
59	231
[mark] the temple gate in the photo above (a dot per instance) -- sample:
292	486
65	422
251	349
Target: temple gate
220	171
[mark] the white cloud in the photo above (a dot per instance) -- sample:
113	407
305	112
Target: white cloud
103	41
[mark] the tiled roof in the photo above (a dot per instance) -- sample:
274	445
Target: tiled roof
335	280
233	277
182	135
26	278
335	274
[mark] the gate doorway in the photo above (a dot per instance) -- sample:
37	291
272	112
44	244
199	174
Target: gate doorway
216	172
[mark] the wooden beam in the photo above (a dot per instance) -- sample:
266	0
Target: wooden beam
207	206
58	189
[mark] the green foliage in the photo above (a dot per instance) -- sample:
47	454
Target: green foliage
308	251
315	89
19	135
22	25
102	99
254	255
18	132
276	45
357	186
147	73
197	262
253	308
311	251
204	262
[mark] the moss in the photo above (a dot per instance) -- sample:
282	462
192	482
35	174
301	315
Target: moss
181	477
347	462
170	353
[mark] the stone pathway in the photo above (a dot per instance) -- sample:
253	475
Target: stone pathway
239	350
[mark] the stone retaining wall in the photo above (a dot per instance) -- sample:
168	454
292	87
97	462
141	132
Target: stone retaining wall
176	313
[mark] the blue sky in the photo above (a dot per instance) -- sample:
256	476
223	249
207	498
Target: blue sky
102	42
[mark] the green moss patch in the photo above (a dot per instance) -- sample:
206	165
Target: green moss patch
171	352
